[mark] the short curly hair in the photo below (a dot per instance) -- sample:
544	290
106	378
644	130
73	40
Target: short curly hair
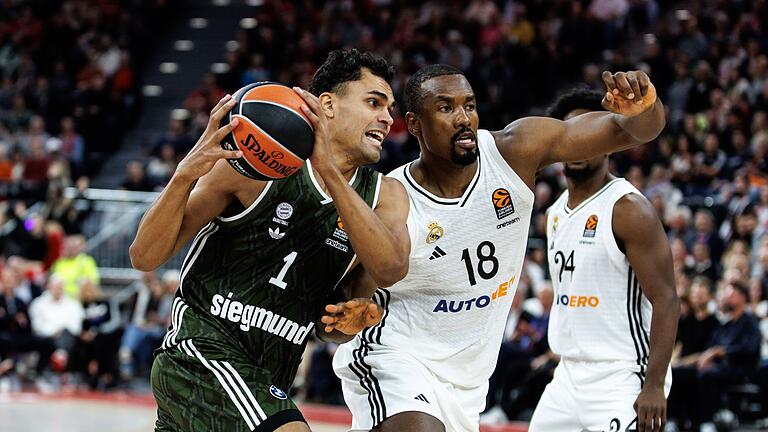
578	98
343	66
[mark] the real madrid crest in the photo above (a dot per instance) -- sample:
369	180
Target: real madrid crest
434	232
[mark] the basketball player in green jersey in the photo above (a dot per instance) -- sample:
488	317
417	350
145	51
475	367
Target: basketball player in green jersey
266	255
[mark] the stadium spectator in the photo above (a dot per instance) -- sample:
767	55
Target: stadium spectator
161	167
136	178
57	318
693	335
731	355
72	144
15	331
75	266
96	349
150	319
176	136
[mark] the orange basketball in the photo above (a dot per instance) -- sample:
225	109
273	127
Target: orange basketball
500	198
274	134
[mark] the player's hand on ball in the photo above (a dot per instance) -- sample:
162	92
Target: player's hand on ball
352	317
628	93
321	155
651	409
203	156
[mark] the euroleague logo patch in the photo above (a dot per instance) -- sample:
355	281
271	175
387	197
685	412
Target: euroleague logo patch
339	232
276	392
502	203
590	228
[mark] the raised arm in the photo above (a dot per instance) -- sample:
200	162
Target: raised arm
636	116
199	190
380	238
637	228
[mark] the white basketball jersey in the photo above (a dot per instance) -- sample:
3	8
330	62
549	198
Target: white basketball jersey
466	258
599	313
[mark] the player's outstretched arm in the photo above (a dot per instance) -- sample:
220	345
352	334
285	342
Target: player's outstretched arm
199	190
635	116
637	228
343	319
380	238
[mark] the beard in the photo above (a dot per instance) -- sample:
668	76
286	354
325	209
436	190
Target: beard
579	173
469	157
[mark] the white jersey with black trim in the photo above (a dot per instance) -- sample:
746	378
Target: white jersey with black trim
600	313
467	253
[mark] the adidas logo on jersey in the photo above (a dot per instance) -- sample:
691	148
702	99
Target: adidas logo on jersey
251	316
421	398
276	234
437	253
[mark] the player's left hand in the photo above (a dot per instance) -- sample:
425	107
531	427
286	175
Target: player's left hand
651	409
628	93
352	317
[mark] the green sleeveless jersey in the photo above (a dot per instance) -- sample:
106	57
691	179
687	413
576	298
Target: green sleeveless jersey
253	284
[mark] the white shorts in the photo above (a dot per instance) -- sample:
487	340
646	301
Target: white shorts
381	383
590	396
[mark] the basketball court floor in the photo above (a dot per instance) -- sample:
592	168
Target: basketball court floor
118	412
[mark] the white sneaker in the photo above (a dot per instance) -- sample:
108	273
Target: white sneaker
707	427
494	415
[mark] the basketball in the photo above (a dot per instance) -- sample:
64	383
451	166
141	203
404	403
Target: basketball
274	135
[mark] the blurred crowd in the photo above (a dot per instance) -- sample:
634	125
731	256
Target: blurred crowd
68	93
707	174
61	332
521	51
68	86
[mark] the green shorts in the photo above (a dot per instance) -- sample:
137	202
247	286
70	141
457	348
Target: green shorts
197	394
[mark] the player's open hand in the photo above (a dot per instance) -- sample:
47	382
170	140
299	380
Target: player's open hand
207	151
351	317
651	409
628	93
321	154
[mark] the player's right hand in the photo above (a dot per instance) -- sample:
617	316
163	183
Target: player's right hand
207	151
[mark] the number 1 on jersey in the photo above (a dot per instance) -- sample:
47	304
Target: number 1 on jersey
278	281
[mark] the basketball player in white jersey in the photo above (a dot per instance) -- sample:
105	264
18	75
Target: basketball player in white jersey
614	319
425	366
